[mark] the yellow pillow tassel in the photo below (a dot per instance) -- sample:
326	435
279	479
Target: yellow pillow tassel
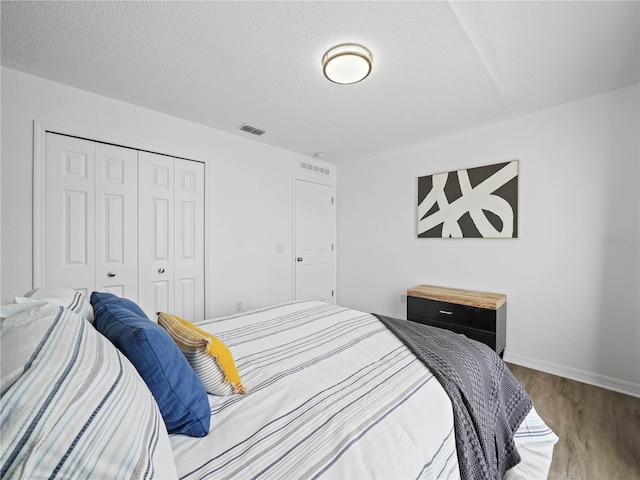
218	350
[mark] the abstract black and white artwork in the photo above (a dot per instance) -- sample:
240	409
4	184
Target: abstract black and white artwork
479	202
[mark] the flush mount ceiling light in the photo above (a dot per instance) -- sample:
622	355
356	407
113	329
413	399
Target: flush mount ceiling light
347	63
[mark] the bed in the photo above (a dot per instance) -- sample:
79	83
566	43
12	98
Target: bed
330	392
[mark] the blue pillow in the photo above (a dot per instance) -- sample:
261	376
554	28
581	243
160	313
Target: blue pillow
178	391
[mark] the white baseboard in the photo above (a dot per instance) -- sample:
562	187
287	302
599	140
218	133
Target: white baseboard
583	376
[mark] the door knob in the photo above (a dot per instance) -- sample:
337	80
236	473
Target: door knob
161	270
111	274
299	259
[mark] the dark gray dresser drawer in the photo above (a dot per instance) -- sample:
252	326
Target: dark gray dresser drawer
473	317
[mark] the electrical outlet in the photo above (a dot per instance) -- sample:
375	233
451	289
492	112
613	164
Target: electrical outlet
239	306
403	298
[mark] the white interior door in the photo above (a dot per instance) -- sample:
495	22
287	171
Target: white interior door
120	220
116	219
69	258
314	236
155	232
189	240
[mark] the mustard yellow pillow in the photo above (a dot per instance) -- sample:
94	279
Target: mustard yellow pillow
208	356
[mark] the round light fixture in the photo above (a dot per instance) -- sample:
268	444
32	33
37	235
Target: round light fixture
347	63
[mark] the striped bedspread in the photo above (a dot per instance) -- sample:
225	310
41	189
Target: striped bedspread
331	394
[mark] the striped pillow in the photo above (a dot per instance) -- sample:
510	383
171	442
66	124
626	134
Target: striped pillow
22	331
209	356
78	409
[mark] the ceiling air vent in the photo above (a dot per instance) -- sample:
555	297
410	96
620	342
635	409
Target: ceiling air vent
248	128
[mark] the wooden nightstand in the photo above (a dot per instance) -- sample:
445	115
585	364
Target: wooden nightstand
480	316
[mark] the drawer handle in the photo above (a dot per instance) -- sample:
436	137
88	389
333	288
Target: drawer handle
446	313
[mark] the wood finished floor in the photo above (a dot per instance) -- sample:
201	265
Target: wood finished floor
599	430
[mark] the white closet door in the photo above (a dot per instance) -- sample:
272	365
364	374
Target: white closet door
124	221
155	233
116	197
189	239
69	259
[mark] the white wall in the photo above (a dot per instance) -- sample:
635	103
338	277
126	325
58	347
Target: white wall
572	278
251	186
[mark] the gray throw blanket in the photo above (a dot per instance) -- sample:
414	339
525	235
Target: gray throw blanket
488	402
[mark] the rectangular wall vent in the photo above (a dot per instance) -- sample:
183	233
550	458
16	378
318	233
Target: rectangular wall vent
249	129
310	167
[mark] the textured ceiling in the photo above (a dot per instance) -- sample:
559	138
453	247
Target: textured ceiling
438	67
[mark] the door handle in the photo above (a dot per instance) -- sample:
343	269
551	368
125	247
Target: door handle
161	270
111	274
299	259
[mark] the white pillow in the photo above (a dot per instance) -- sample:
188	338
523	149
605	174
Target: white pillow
66	297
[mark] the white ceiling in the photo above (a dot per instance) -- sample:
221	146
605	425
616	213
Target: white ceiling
438	67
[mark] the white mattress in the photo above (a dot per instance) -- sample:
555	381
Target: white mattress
331	394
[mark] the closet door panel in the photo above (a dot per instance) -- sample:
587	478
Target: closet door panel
162	292
156	233
189	239
116	220
69	259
